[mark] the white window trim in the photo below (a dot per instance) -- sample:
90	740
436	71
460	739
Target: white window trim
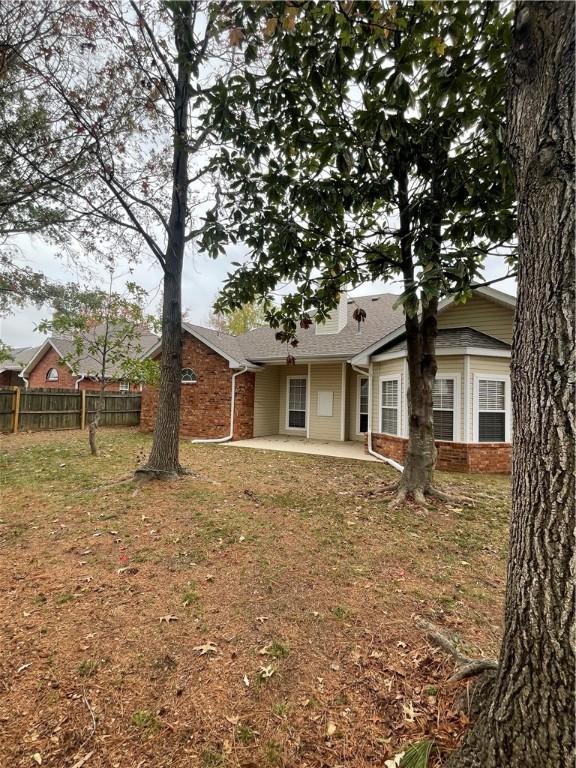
305	427
398	378
50	378
507	405
123	386
188	382
456	426
358	380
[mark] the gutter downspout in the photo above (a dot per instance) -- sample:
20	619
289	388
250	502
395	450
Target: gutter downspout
25	380
372	452
232	403
78	380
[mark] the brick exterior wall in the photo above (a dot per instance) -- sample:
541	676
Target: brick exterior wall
205	406
66	380
10	379
476	458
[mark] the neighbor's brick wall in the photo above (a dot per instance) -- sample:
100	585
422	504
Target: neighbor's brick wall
37	377
205	406
10	379
452	457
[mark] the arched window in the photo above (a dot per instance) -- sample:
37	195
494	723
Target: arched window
188	376
52	375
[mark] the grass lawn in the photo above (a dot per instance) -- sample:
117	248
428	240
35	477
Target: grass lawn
260	613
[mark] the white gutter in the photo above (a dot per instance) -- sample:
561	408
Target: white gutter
24	379
232	403
78	380
371	451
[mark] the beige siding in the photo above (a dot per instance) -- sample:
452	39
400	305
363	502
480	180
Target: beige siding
284	372
326	377
484	366
266	394
482	314
387	368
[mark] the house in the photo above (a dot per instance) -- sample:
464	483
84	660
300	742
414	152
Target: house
349	381
10	369
47	367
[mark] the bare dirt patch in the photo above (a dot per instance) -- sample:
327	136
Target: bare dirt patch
260	613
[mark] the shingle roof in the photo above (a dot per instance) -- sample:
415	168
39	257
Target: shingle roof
454	337
223	342
381	318
19	356
90	365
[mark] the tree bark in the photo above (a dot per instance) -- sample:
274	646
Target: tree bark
529	722
164	461
421	332
93	425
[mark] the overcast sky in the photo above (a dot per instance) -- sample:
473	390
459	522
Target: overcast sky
202	279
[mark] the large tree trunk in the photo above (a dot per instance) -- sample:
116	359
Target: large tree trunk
164	460
421	357
529	722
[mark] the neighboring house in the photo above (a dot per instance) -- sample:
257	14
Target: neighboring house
10	369
47	368
351	379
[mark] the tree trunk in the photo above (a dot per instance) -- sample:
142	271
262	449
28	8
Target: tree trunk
164	456
529	722
421	357
416	480
93	425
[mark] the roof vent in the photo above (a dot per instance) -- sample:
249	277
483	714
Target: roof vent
375	298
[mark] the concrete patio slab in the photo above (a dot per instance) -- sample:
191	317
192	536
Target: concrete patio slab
346	450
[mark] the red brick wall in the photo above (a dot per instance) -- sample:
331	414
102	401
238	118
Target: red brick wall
37	377
10	379
51	359
205	406
476	458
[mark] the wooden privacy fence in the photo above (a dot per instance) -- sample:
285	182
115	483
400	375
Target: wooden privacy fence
36	410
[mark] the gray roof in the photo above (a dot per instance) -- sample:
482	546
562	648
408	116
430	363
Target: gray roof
224	343
19	356
90	365
381	318
454	337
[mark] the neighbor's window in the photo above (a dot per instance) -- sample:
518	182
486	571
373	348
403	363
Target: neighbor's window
188	376
297	403
52	375
389	400
124	386
363	406
491	411
443	405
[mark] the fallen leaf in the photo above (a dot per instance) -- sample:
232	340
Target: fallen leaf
208	647
331	728
168	618
80	763
37	757
233	720
395	762
246	681
23	667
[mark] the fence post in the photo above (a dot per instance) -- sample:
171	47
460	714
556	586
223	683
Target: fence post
16	413
83	410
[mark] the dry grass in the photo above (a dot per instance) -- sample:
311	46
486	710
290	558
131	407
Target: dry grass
288	570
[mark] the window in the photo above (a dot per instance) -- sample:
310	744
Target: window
362	405
124	386
389	406
491	411
443	409
52	375
296	403
188	376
